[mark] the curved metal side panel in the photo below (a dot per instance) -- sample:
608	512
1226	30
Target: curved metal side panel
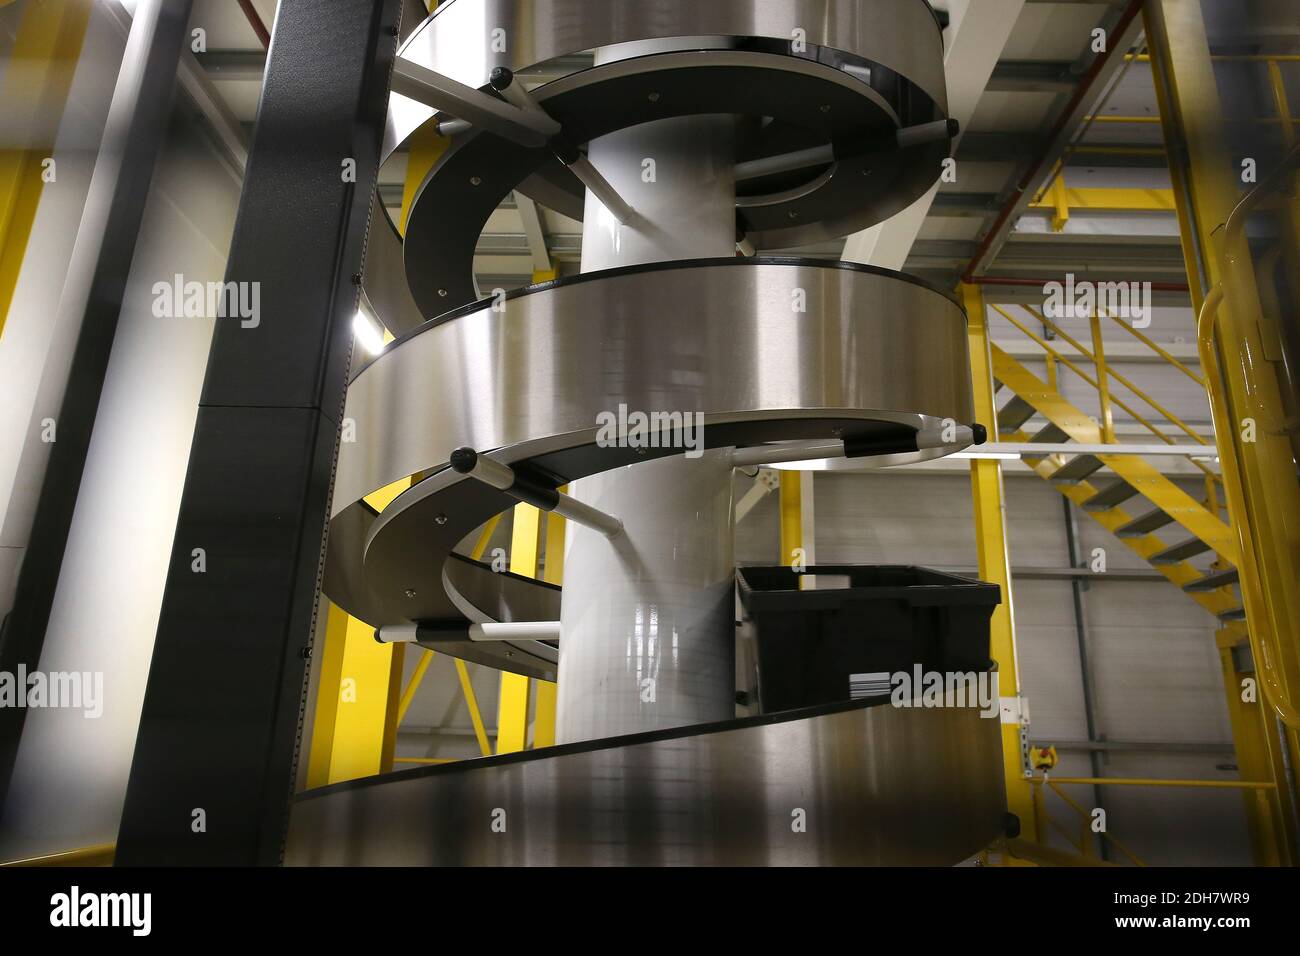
764	349
732	339
457	41
872	785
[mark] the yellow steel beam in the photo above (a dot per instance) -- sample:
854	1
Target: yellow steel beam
791	507
360	702
1259	755
34	90
417	677
329	660
1259	483
546	698
475	715
1061	199
512	708
359	693
1278	86
1166	782
427	147
994	559
1106	419
1249	414
1086	818
353	732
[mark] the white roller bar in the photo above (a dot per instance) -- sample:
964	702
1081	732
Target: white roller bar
511	631
963	436
426	86
467	461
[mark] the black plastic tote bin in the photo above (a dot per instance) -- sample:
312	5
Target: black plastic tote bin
885	620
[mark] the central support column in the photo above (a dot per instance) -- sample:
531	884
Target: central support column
648	618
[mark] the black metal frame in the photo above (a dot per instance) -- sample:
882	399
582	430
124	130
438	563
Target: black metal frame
222	720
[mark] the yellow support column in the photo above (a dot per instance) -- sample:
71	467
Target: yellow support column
1259	752
995	565
512	708
546	700
427	147
1259	478
359	701
359	692
791	501
34	90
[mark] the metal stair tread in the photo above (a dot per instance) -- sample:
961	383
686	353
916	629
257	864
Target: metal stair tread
1113	494
1052	434
1213	580
1144	524
1180	551
1079	468
1014	414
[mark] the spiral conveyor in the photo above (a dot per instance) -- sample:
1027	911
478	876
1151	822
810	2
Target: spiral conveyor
835	119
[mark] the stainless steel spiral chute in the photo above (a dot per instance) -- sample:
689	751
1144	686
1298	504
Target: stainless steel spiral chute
695	141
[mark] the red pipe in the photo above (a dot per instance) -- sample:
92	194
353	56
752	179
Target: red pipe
255	21
1040	283
1081	91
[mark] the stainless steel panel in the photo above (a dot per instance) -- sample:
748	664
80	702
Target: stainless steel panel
877	785
722	339
457	41
718	337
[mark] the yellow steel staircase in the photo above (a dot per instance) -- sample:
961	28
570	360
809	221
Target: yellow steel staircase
1153	516
1159	521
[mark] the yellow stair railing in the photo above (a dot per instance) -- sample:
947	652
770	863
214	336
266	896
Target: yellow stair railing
1259	464
1136	476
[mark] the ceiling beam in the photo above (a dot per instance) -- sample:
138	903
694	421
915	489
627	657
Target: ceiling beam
1124	30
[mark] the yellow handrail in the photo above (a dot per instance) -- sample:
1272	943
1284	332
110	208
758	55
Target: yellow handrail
1061	357
1166	782
1269	619
1169	416
1280	101
1155	347
1085	818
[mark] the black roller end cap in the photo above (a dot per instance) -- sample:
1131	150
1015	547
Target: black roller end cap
979	434
501	78
463	460
1011	825
953	128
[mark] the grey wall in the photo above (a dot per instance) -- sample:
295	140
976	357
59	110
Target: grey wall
70	778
